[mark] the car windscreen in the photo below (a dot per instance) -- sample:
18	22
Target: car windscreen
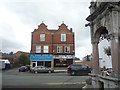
80	66
23	67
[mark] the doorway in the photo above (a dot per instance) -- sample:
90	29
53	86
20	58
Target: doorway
33	64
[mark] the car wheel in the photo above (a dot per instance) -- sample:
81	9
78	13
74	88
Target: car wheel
36	72
49	71
73	73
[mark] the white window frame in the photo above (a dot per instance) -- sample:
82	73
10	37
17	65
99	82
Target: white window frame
38	49
59	49
42	37
63	37
67	49
46	49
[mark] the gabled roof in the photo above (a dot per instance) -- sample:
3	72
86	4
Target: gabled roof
42	25
61	28
64	28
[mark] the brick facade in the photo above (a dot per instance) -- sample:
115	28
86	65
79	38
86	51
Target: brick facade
52	39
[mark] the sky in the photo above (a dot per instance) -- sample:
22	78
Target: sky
19	18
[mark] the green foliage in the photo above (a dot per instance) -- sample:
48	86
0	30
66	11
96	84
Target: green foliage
16	62
24	59
107	51
87	58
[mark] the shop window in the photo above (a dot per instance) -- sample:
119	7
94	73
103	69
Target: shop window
40	63
38	49
62	62
48	63
67	49
46	49
63	37
42	37
59	49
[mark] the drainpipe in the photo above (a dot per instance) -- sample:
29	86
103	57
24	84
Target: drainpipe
52	62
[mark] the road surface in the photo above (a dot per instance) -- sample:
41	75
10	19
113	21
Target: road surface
14	79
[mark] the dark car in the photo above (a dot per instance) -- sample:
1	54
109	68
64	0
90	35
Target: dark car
28	68
39	69
23	69
78	69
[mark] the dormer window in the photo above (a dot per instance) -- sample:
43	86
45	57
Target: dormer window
63	37
42	37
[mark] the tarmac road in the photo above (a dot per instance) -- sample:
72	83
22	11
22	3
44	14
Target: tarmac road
14	79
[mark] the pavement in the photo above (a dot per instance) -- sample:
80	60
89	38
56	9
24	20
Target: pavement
60	71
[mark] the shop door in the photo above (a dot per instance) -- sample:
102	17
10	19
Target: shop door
48	63
33	64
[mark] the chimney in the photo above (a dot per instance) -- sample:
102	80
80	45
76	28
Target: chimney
71	29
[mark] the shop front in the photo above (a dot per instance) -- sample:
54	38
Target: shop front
41	60
63	60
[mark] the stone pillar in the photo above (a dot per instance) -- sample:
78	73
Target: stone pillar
95	57
115	54
115	42
30	64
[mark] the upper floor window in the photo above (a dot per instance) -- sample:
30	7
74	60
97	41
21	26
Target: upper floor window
42	37
63	37
67	49
45	49
38	49
59	49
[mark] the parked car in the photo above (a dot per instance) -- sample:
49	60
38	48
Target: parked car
28	68
78	69
23	69
39	69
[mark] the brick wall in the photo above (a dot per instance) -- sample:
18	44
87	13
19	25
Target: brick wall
52	39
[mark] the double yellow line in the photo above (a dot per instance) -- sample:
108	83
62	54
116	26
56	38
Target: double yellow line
69	83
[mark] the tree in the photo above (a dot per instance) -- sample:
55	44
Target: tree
107	51
23	59
88	58
11	53
16	62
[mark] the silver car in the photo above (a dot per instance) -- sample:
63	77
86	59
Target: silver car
39	69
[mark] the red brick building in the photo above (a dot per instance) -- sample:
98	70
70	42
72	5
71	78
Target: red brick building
18	53
58	44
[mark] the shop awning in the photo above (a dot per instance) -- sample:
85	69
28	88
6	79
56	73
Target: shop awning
41	57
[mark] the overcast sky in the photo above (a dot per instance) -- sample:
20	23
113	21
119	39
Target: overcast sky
18	18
